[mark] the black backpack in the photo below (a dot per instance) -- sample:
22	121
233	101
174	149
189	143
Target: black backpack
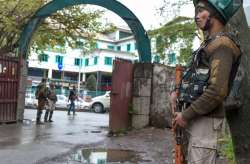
233	100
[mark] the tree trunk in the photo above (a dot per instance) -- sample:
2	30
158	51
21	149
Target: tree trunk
239	121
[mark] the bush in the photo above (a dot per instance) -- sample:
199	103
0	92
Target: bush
226	148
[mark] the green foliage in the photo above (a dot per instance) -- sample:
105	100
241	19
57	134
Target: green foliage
179	30
91	83
70	24
226	148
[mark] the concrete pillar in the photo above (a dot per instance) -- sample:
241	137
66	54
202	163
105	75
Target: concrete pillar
50	74
141	95
160	114
22	88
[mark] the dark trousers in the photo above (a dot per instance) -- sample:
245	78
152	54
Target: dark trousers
71	107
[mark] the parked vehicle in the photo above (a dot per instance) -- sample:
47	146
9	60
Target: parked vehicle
30	101
101	104
63	103
81	104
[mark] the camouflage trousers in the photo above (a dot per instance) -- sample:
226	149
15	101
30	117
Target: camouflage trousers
41	104
51	105
40	108
203	137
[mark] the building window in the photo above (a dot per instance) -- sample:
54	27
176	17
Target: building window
108	61
135	46
95	60
79	44
157	59
118	48
128	47
96	45
43	57
86	62
78	62
172	58
111	47
59	59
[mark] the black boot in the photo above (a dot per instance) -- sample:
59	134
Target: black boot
46	116
50	116
68	112
38	117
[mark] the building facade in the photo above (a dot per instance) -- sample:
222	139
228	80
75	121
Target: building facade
67	67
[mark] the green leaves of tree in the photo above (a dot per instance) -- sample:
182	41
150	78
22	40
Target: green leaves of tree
68	25
181	31
91	83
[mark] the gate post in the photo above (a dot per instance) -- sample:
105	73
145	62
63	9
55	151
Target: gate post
141	95
163	79
23	73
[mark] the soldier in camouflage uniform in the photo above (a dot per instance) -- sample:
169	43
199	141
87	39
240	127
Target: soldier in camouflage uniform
206	83
41	95
52	98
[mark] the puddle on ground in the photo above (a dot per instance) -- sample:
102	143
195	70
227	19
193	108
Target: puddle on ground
27	122
95	131
103	156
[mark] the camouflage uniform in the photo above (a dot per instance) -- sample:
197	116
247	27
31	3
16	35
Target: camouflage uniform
208	80
52	98
205	114
42	100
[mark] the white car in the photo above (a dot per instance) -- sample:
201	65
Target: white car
101	104
81	104
31	101
63	103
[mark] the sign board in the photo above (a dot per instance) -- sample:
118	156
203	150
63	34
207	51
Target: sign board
60	66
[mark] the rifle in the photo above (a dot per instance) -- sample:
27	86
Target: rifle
179	157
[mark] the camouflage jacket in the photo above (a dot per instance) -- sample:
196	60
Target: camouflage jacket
52	94
218	56
42	91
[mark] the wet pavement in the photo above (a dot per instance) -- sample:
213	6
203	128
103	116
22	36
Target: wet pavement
28	143
81	139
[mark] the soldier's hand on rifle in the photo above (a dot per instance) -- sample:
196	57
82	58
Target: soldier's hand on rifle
178	120
173	98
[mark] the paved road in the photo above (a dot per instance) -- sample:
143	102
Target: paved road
28	143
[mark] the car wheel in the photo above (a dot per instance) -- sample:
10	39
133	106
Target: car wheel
98	108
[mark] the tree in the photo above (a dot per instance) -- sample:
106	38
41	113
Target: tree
91	83
239	121
71	24
179	30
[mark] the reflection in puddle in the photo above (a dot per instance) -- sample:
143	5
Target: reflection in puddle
102	156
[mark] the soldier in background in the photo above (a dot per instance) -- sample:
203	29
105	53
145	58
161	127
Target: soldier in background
41	95
52	98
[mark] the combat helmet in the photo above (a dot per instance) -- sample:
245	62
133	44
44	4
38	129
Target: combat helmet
225	8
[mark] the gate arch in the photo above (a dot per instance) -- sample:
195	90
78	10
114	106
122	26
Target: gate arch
141	37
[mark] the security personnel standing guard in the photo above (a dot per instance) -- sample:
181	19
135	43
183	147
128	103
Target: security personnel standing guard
205	84
41	95
52	98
